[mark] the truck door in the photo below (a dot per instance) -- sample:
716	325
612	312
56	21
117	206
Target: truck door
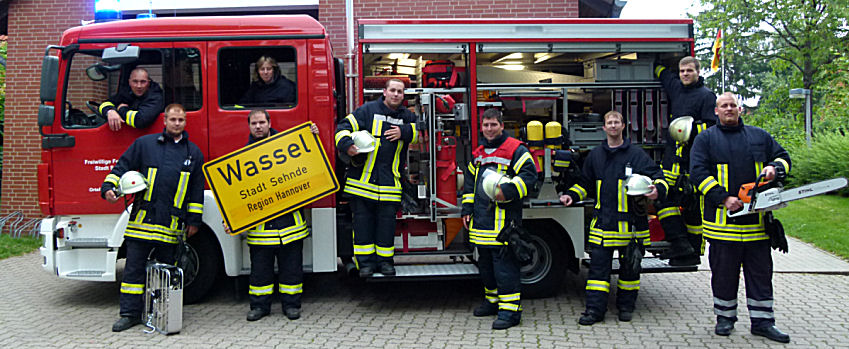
78	171
235	87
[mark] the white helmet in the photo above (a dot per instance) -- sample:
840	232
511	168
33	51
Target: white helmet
131	182
491	181
637	184
680	129
364	141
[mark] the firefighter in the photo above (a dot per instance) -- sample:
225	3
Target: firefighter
375	183
485	219
173	201
137	106
616	223
269	86
281	238
723	158
687	97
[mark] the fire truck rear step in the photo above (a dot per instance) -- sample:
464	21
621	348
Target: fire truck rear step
432	271
87	242
651	265
86	273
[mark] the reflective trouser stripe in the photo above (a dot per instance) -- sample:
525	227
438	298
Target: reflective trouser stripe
132	288
598	285
291	289
629	285
491	295
261	290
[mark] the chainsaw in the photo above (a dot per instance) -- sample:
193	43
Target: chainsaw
763	196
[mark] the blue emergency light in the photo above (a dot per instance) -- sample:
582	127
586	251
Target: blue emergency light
106	11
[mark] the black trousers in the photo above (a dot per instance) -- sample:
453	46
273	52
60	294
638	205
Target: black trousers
374	231
132	285
499	272
598	280
290	274
678	224
725	259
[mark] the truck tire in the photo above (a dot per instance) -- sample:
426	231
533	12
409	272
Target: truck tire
544	276
201	264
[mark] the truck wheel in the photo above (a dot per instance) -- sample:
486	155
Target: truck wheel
544	276
201	263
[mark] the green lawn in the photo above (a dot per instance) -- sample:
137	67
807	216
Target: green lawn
822	220
10	247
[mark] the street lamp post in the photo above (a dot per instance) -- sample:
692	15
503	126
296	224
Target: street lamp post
806	94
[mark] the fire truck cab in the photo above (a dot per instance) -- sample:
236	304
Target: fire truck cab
562	73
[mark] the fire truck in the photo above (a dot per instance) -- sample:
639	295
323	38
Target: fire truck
552	78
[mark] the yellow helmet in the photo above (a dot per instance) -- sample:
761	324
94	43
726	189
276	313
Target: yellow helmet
680	128
131	182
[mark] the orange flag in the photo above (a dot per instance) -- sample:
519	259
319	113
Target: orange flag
717	46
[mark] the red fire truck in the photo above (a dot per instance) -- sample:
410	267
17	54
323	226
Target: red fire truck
561	73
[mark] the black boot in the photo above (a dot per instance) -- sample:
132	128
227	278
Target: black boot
486	309
723	326
256	314
387	268
125	322
679	248
772	333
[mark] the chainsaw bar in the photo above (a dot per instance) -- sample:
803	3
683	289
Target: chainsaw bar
775	198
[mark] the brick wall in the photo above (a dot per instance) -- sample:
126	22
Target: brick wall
33	24
331	13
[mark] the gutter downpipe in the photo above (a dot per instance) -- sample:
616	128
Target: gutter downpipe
351	77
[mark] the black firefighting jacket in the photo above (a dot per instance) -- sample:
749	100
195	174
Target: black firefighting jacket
604	178
378	178
724	158
281	230
505	155
141	111
175	186
281	90
694	100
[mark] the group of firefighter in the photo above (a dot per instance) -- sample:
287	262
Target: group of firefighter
693	191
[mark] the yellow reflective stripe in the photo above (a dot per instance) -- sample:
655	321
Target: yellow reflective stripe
668	212
622	197
291	289
353	121
513	297
598	285
151	179
341	134
508	306
104	105
195	208
385	251
492	291
628	285
577	189
261	290
707	185
396	159
722	175
146	235
694	229
701	127
562	163
759	166
598	194
520	186
180	195
472	169
131	118
132	288
415	134
783	163
521	162
111	178
363	249
661	182
468	198
140	216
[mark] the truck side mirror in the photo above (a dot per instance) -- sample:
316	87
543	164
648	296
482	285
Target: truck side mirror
45	115
49	78
121	54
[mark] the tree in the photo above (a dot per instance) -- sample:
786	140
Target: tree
806	34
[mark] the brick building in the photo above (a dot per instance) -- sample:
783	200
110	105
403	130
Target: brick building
34	24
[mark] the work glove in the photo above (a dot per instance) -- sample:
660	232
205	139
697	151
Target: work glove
775	231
